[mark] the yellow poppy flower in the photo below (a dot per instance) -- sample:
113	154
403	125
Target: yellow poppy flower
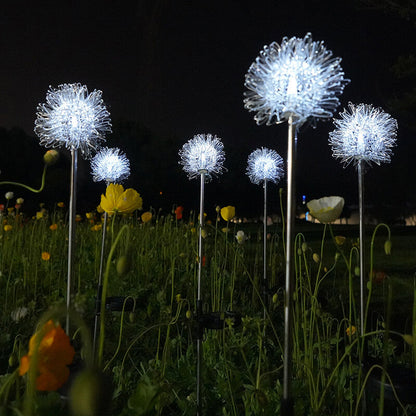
7	228
340	240
116	199
54	354
228	213
351	330
146	216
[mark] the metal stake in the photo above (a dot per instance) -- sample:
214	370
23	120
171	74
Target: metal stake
199	300
71	231
265	282
362	242
287	401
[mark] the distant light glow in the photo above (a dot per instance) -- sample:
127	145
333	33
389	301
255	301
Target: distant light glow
73	118
110	165
298	78
204	153
264	164
363	133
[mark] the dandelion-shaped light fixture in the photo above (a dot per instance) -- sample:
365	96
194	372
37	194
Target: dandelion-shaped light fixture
73	118
77	120
297	78
363	135
202	156
294	81
264	165
204	153
111	166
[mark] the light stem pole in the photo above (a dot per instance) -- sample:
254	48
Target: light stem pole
71	231
287	401
265	282
362	241
199	300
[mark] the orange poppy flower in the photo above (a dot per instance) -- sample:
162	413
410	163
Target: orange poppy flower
46	256
178	212
53	352
53	227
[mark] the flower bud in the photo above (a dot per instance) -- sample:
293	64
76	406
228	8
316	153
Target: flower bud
339	240
387	247
20	201
123	265
408	338
90	394
315	257
304	247
12	360
9	195
275	298
188	314
50	157
357	271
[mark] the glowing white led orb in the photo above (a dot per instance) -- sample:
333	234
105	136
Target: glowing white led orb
204	153
298	78
363	133
264	164
73	118
110	165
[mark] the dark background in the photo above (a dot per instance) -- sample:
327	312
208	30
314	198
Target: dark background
171	69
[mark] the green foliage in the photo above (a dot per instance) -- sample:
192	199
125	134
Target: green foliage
149	353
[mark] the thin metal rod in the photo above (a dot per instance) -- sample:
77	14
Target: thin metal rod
100	285
201	225
265	282
71	231
362	241
199	301
287	402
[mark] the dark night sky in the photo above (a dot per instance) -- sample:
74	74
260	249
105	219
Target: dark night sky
178	69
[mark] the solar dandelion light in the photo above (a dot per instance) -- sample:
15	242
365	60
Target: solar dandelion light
363	135
72	118
202	156
294	81
264	165
109	165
